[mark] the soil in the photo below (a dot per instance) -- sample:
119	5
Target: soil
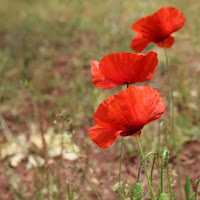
104	164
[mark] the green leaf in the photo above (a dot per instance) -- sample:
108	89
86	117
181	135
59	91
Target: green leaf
187	187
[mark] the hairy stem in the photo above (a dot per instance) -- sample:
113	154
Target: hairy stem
165	158
162	169
152	168
68	191
195	197
121	153
143	160
159	143
168	176
145	167
173	121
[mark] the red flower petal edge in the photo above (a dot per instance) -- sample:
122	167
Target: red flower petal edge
157	28
139	43
103	137
121	68
100	80
125	114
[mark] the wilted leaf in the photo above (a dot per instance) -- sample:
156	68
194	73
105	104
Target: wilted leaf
70	156
10	149
57	144
16	159
35	161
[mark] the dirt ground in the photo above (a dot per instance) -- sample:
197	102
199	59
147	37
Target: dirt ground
105	172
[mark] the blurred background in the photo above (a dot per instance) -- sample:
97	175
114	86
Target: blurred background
47	97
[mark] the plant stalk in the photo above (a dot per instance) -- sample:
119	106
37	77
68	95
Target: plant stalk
145	167
143	160
121	155
168	176
68	191
159	142
196	189
173	121
152	168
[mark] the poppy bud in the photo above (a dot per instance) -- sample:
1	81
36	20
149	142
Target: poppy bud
163	196
137	191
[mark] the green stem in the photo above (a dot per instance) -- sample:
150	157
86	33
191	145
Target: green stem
169	180
165	156
121	152
68	191
162	169
195	197
143	160
166	133
173	121
122	195
159	143
120	166
152	168
145	167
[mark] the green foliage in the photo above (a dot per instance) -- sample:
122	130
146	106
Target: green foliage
187	188
163	196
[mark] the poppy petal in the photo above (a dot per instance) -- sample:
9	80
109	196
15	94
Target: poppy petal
125	133
148	70
160	25
130	110
157	107
103	137
168	42
129	68
139	43
99	80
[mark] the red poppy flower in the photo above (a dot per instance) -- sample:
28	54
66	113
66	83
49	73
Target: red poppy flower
121	68
157	28
125	114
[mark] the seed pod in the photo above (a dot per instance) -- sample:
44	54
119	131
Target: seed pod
137	191
163	196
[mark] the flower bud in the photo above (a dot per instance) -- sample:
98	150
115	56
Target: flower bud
163	196
137	191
